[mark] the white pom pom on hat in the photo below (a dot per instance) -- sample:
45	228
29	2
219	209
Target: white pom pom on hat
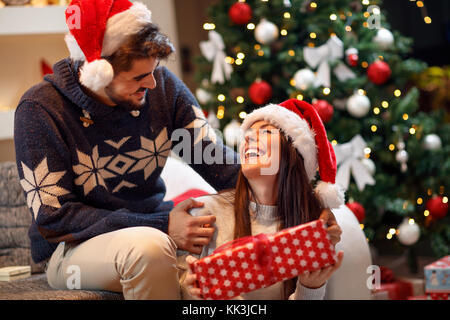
96	74
103	26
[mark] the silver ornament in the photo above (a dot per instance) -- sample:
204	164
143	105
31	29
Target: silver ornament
266	32
358	105
402	156
384	38
432	142
304	79
408	233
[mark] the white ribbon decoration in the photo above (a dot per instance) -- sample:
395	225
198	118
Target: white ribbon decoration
214	50
348	157
321	56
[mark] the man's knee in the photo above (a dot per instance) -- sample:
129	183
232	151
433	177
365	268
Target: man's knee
147	247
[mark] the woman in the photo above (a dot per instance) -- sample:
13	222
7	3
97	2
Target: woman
282	148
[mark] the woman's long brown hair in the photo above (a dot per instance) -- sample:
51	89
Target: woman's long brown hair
296	202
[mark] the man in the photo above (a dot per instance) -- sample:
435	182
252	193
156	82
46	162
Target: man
91	141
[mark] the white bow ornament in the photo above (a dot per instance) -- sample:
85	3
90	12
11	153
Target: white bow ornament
348	157
321	56
214	50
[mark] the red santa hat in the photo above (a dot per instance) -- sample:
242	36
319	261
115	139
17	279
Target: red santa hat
301	122
97	29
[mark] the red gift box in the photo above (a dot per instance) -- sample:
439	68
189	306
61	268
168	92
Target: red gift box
397	290
254	262
438	295
421	297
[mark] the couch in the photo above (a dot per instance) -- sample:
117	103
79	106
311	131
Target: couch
349	282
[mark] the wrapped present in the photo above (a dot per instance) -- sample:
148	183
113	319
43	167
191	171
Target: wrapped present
417	285
254	262
421	297
397	290
438	296
437	276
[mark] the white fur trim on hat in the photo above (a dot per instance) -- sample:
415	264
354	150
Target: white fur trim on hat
120	26
303	137
75	51
331	195
97	74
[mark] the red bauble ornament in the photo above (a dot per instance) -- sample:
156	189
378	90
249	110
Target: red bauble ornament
352	60
379	72
324	109
437	208
260	92
358	210
240	13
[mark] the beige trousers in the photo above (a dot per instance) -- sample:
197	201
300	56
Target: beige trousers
139	261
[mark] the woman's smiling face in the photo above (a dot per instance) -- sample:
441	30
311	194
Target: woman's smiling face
260	150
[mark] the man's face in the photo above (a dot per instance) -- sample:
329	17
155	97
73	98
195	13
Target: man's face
128	88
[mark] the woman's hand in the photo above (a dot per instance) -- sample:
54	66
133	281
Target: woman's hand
190	279
333	228
316	279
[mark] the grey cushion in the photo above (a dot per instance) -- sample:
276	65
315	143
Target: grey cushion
15	219
37	288
11	192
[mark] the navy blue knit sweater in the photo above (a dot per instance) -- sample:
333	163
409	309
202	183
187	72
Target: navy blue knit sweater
82	180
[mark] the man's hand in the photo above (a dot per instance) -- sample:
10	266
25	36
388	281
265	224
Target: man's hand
333	228
190	233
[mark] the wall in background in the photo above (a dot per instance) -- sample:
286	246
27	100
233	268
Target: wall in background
191	15
20	57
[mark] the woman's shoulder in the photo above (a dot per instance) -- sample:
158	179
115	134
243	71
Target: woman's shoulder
223	200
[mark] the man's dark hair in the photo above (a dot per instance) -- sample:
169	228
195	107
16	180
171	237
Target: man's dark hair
148	42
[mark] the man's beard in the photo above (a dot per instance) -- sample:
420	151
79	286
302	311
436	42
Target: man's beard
126	104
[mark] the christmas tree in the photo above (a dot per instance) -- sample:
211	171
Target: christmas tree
341	56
